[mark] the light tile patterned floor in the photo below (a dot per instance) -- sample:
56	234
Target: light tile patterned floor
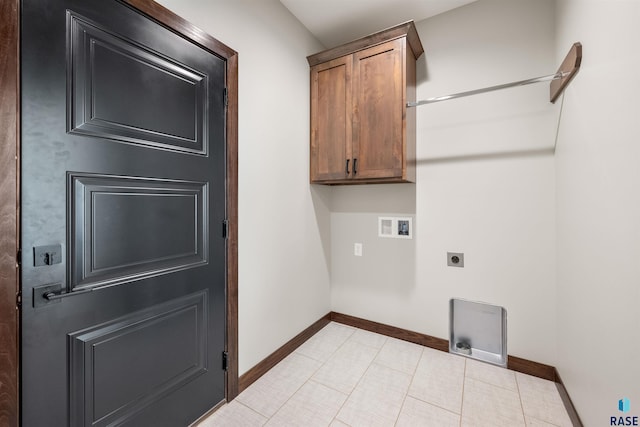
345	376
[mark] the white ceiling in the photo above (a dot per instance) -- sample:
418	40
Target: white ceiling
335	22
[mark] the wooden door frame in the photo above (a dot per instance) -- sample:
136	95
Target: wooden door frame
10	194
9	211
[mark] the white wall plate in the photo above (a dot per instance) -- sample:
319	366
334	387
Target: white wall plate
395	227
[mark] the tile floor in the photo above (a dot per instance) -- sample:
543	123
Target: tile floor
344	376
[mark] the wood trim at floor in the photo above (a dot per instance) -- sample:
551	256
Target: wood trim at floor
274	358
528	367
391	331
568	404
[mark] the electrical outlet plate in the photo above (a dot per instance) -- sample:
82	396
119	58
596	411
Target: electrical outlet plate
357	249
455	259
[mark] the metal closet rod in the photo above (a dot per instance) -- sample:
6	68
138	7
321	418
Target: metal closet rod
559	80
541	79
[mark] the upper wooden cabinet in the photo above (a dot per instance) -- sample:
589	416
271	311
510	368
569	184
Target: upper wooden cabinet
361	129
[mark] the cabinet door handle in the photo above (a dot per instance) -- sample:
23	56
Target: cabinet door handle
346	168
355	166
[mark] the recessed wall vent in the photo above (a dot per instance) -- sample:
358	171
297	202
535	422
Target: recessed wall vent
478	330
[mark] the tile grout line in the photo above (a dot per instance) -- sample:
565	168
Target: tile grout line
542	421
403	372
360	380
524	417
553	422
415	369
496	385
386	338
226	405
322	363
327	386
434	405
337	391
464	381
253	410
337	348
294	393
311	376
285	402
404	399
426	401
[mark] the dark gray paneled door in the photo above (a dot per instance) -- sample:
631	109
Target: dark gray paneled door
123	201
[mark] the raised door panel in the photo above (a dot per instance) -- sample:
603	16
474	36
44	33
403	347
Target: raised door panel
331	120
164	223
105	69
378	97
118	368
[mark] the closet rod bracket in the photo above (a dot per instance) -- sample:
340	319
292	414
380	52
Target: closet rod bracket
568	68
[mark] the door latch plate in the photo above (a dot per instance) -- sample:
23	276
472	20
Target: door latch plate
39	293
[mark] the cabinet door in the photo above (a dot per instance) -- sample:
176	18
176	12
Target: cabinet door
378	97
331	120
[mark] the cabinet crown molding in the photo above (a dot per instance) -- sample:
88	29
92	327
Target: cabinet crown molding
406	29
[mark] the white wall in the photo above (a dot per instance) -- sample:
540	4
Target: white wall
485	187
598	210
283	224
